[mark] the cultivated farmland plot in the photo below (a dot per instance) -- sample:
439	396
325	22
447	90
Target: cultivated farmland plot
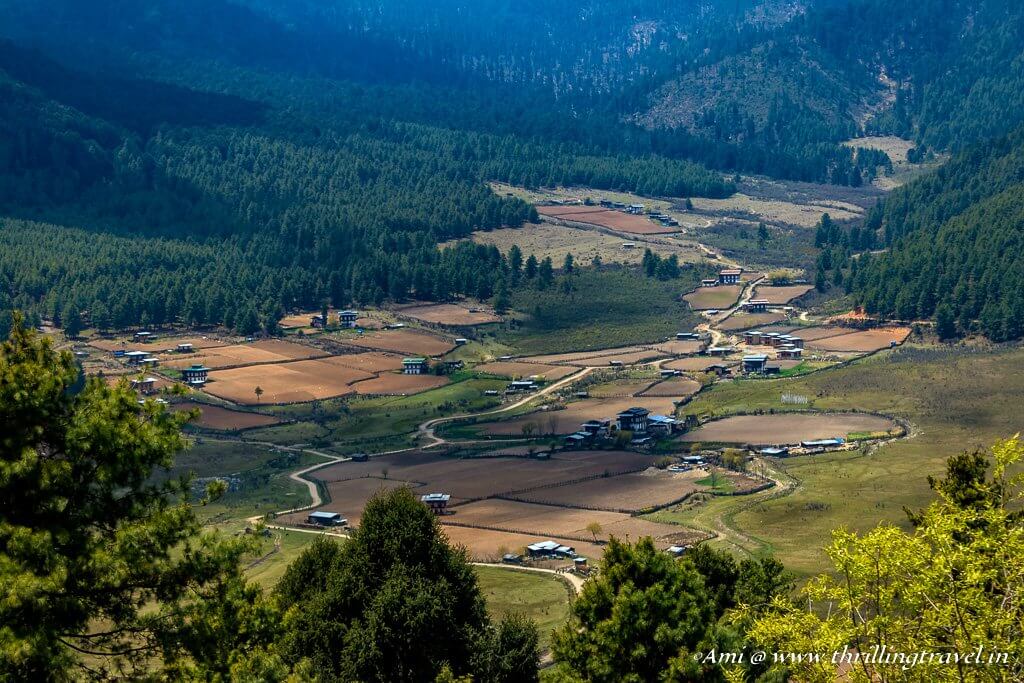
449	314
517	370
216	417
780	295
674	387
294	382
747	321
630	492
704	298
865	341
607	218
699	364
472	478
787	428
403	341
264	351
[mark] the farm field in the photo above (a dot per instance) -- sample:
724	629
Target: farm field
607	218
161	343
397	384
368	361
804	212
304	380
780	295
555	241
722	296
574	414
449	314
787	428
516	370
679	348
216	417
620	387
350	497
866	341
626	492
809	333
698	364
260	352
471	478
583	355
560	523
745	321
488	545
675	387
624	358
403	341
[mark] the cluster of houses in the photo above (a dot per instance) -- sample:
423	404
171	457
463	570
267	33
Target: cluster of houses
787	346
804	448
644	427
638	210
346	319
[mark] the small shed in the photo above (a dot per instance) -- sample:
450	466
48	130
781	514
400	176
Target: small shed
324	518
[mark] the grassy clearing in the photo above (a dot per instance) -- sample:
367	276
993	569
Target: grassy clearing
541	597
607	308
956	400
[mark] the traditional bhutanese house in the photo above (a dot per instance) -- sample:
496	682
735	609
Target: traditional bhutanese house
195	375
772	369
755	363
577	439
322	518
661	425
143	337
708	283
318	321
579	564
669	373
150	361
184	347
145	386
718	369
756	305
729	276
454	364
348	318
770	338
687	336
752	338
635	208
521	385
795	341
775	451
596	427
135	357
633	420
437	502
415	366
720	350
789	352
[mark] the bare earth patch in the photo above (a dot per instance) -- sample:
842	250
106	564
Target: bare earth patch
397	384
216	417
723	296
866	341
607	218
450	314
263	351
787	428
780	295
674	387
517	370
626	492
306	380
403	341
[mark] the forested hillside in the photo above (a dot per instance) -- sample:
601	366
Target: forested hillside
955	246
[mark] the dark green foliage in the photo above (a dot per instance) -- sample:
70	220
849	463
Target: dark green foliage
396	603
98	558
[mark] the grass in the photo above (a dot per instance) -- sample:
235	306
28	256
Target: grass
955	400
541	597
610	307
717	484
